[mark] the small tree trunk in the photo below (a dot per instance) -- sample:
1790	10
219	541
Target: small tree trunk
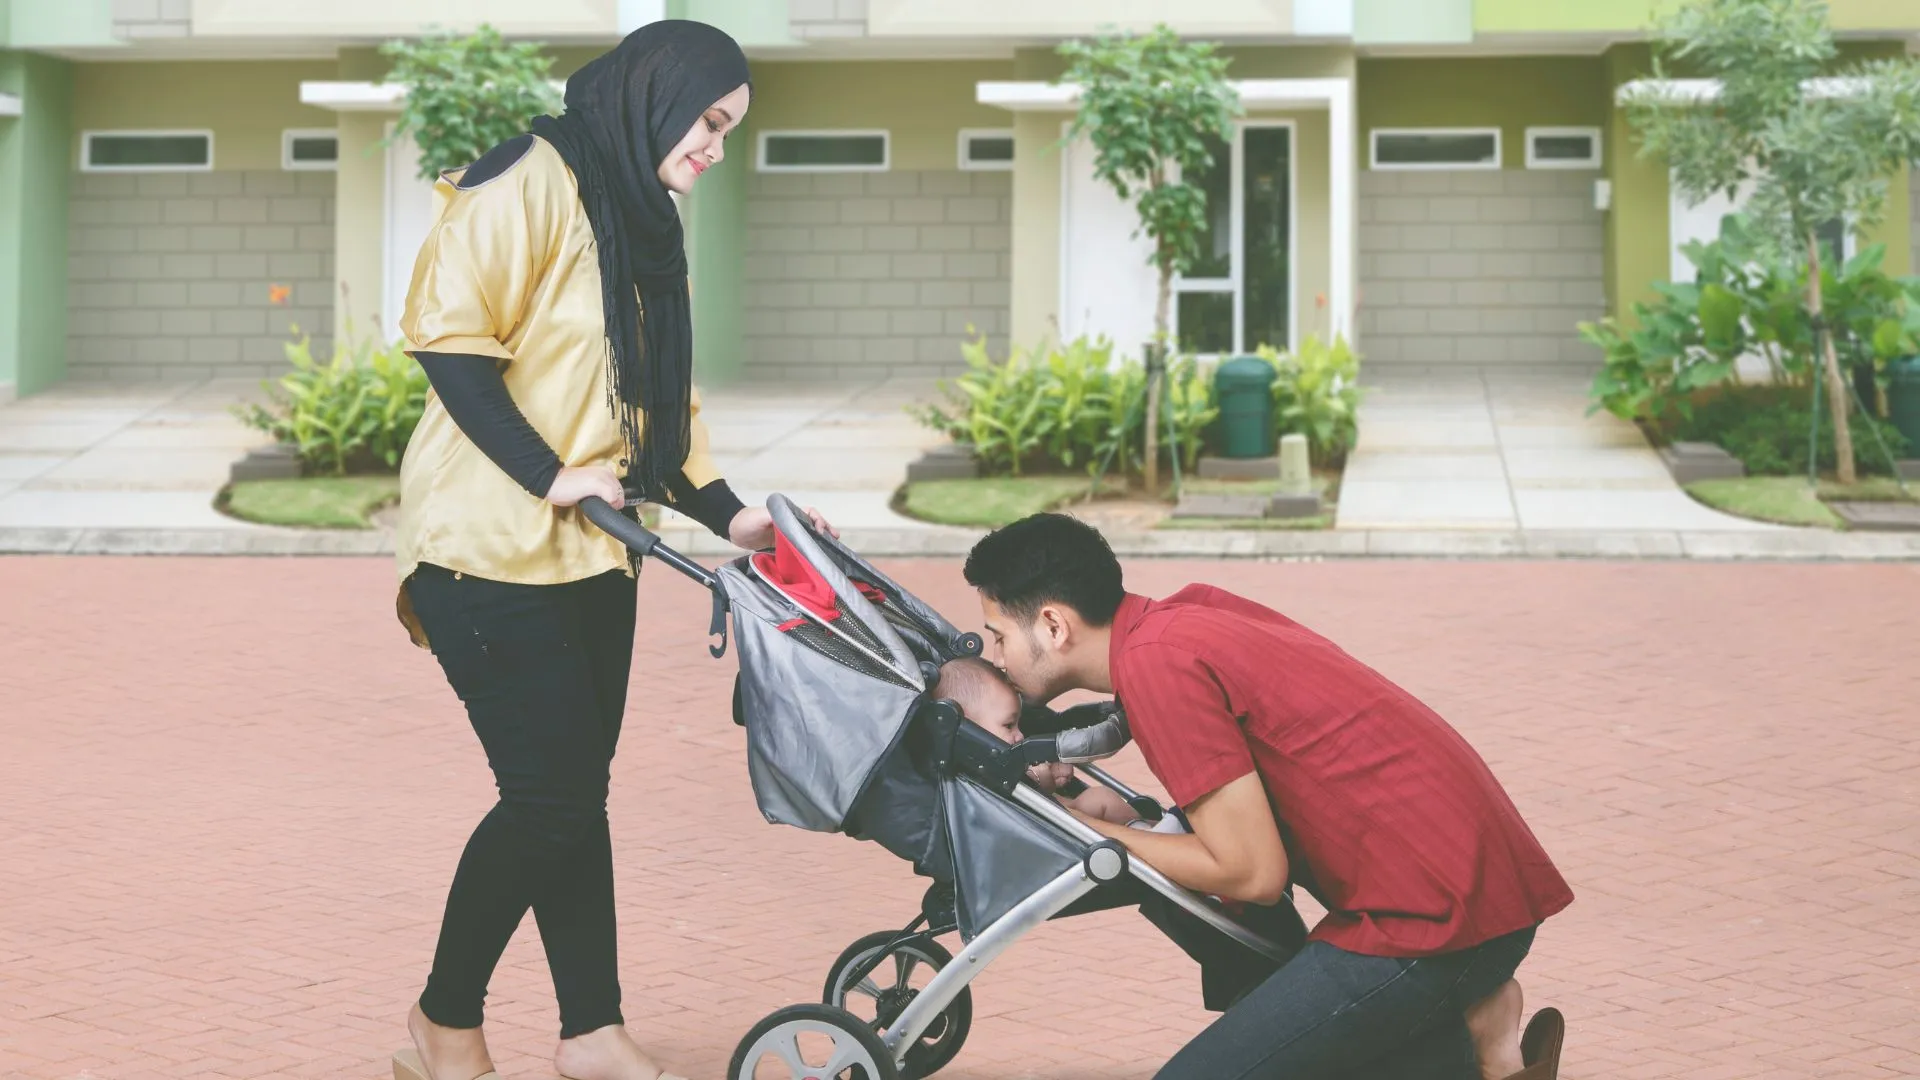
1156	367
1830	361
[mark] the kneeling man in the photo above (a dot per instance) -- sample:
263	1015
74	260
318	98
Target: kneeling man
1297	763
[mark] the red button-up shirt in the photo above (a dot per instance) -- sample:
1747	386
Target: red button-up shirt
1389	818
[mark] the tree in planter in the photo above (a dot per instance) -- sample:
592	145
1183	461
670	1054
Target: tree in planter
466	95
1814	150
1149	105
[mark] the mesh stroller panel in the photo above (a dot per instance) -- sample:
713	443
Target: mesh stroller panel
824	642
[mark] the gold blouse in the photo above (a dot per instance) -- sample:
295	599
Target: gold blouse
510	270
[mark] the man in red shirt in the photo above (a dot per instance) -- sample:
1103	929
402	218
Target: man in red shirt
1296	763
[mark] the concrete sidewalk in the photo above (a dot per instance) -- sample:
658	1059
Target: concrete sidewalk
1509	449
1448	467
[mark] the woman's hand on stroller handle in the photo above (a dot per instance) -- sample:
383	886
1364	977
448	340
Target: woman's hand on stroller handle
752	527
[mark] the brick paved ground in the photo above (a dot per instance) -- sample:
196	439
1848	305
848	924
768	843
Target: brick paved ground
232	796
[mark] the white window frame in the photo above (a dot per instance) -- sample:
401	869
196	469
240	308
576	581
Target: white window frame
1373	150
1235	281
1591	162
967	164
886	150
86	150
287	138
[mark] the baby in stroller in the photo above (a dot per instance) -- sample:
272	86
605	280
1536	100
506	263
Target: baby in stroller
989	700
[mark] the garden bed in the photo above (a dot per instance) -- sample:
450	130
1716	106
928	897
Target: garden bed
990	502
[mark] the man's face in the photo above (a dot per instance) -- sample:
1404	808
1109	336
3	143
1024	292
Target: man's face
1026	652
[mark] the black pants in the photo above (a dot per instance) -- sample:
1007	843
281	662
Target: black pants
1329	1014
543	672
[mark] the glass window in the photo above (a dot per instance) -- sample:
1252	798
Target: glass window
1563	148
1216	243
1205	321
826	151
147	151
309	150
986	150
1436	149
1268	245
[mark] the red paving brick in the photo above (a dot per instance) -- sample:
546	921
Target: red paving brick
233	795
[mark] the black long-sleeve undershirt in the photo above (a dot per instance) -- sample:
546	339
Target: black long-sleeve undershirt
475	395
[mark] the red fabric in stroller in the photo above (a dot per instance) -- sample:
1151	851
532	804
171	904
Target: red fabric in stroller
802	582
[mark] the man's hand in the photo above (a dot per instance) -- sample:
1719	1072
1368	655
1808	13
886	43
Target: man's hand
1233	852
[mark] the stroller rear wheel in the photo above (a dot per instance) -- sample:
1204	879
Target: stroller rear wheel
885	991
811	1042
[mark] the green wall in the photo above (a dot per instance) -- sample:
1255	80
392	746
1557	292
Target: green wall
1563	16
1410	22
1512	93
924	105
247	103
33	208
716	219
53	24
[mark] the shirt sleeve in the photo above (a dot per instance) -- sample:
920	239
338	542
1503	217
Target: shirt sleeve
480	264
1183	722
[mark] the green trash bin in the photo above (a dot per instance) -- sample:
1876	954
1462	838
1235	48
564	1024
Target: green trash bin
1903	400
1243	387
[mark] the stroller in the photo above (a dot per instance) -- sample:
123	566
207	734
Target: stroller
837	663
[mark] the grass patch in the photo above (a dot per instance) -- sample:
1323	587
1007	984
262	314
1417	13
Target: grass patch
1327	483
1787	500
989	502
318	502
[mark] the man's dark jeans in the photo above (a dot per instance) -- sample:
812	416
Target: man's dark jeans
1329	1014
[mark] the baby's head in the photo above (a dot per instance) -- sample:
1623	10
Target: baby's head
983	694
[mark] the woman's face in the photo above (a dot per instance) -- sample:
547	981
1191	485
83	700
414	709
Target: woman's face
704	146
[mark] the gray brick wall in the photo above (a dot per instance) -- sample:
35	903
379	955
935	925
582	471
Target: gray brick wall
152	18
827	18
169	274
851	275
1479	267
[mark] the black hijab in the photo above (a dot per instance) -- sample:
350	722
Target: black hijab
625	112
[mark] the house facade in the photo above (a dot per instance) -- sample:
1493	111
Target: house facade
1442	181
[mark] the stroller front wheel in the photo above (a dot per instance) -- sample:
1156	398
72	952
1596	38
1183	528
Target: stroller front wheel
903	969
811	1042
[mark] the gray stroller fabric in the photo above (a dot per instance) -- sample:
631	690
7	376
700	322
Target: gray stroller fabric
1001	853
820	714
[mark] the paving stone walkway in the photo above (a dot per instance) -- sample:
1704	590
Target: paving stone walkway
1507	449
233	796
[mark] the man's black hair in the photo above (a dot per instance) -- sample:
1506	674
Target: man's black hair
1048	559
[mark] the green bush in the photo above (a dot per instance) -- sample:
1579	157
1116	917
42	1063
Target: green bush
467	94
1070	407
1766	427
354	413
1316	393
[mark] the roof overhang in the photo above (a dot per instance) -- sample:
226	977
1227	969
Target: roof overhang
1254	94
9	104
365	96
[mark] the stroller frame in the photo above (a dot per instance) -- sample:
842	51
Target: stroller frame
971	754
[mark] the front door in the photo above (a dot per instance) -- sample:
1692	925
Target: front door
408	219
1238	297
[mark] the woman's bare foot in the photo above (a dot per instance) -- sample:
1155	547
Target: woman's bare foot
607	1053
1494	1022
448	1053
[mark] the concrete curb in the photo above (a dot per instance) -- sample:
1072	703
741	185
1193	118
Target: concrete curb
1797	545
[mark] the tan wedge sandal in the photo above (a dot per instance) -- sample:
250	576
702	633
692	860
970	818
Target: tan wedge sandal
408	1066
1540	1046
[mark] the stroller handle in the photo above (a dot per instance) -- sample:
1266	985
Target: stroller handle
643	540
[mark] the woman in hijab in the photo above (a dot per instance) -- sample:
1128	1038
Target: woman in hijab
549	309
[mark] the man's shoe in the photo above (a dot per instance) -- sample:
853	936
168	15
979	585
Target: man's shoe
1540	1046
